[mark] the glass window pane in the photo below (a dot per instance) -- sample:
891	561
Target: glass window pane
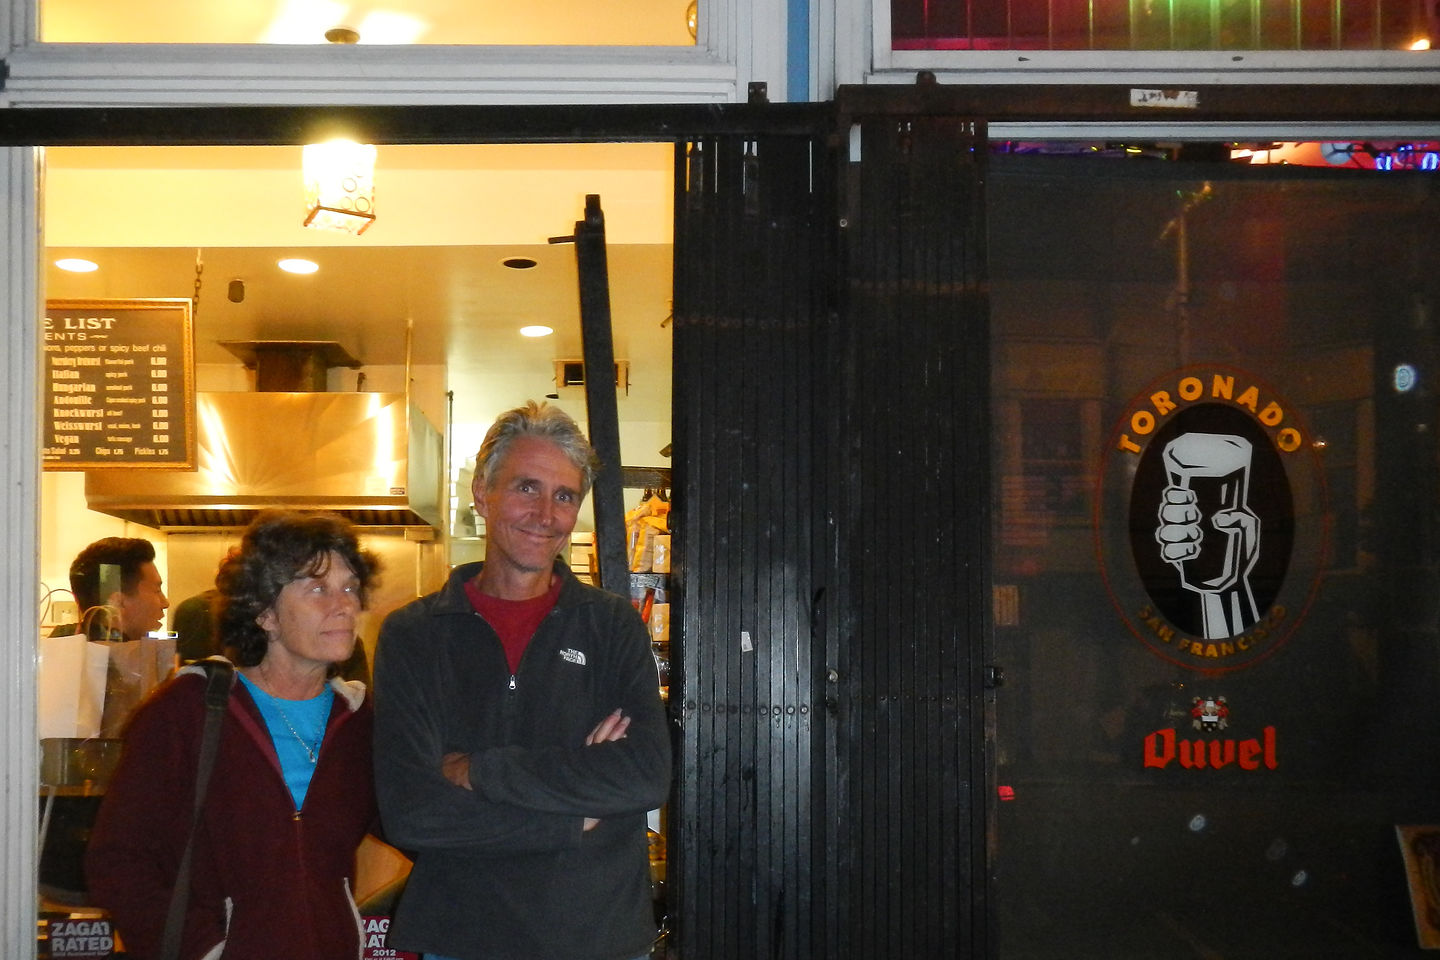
430	301
599	23
1217	480
1160	24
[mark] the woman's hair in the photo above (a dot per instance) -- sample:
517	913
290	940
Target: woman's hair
536	420
278	547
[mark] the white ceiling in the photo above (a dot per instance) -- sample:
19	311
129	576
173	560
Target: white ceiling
424	283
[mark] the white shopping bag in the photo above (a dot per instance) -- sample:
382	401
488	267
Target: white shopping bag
136	668
72	687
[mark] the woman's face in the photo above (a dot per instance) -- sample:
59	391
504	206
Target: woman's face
313	620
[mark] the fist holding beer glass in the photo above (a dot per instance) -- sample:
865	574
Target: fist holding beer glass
1207	530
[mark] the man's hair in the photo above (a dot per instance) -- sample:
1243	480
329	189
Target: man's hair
127	553
278	547
536	420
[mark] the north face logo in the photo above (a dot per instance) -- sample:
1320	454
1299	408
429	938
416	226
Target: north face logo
573	656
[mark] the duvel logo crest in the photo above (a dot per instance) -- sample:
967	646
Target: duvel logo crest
1211	524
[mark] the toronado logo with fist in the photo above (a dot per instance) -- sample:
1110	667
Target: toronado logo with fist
1211	523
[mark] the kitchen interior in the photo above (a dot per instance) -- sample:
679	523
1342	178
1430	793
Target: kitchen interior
425	304
362	387
424	308
365	385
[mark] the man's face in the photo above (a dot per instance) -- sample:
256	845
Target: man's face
531	506
143	609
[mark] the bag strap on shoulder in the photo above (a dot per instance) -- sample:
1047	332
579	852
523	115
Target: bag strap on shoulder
220	678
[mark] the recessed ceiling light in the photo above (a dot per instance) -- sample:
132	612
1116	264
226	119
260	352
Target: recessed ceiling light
518	263
77	265
536	330
296	265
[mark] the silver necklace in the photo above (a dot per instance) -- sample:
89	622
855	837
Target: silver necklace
312	754
275	702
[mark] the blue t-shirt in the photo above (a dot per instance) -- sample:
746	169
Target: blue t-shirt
296	728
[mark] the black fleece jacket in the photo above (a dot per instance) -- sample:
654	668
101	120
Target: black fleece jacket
505	871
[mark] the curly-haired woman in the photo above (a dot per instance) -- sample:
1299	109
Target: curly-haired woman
291	796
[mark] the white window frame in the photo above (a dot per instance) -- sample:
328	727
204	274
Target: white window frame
740	42
20	558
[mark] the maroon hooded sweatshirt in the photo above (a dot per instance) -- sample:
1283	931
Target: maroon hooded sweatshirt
267	880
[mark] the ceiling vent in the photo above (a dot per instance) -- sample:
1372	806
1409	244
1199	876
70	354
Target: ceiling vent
290	366
571	373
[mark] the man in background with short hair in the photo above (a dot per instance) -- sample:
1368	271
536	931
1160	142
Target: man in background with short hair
117	573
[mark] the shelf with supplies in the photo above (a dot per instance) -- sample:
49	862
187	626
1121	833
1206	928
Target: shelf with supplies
650	593
647	534
647	550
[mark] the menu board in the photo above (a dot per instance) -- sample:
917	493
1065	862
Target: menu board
119	385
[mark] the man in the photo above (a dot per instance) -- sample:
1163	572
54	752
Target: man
194	625
117	573
519	735
115	582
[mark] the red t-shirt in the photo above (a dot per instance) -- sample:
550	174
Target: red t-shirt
514	620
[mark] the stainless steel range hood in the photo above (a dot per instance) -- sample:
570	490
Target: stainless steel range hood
372	457
367	456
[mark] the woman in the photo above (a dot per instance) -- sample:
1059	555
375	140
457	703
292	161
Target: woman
291	796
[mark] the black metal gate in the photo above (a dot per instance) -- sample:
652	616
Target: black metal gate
913	555
753	255
831	503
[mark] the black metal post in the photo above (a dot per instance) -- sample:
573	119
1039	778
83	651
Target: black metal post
600	403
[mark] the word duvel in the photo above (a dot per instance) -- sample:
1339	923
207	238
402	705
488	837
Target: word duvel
1163	747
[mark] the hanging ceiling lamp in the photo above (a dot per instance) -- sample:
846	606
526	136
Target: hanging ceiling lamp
339	186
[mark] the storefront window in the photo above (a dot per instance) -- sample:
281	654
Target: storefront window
648	23
1166	25
450	308
1216	540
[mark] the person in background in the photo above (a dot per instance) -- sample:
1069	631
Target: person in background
520	738
120	597
194	625
291	796
136	599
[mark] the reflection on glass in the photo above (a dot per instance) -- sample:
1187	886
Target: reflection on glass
1224	778
1158	25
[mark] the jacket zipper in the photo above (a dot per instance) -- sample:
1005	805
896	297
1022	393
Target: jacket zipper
509	684
301	865
528	646
512	684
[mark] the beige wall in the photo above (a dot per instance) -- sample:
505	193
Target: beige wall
66	527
